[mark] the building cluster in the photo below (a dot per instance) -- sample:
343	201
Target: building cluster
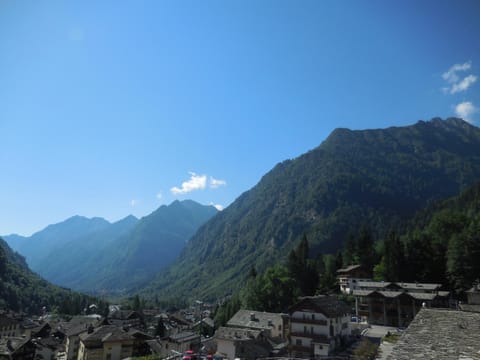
123	334
389	303
443	333
315	327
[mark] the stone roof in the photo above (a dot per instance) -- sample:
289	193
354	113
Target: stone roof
440	334
106	333
184	336
348	269
402	285
469	307
330	306
155	346
254	319
394	294
419	286
237	334
375	284
8	345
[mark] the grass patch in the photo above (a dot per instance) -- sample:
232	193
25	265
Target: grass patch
391	338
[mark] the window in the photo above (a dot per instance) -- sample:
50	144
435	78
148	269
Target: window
279	327
298	342
313	316
304	329
311	330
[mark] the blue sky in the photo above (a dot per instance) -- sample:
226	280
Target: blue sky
110	108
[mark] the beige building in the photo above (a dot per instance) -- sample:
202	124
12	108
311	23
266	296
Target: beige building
107	342
240	343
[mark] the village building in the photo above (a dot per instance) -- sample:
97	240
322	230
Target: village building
396	303
440	334
473	299
180	343
349	278
70	332
473	295
242	343
16	348
127	319
15	325
205	327
109	342
274	325
318	325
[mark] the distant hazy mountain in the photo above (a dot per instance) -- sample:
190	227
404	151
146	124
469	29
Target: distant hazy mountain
114	257
36	247
68	261
375	177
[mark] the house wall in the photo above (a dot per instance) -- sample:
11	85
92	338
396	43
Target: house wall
72	346
348	284
9	327
309	323
226	348
117	350
314	332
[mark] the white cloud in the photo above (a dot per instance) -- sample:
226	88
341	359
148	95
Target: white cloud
465	110
159	196
455	82
451	75
215	183
196	182
464	84
133	202
217	206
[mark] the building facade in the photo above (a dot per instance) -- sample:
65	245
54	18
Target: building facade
396	304
351	277
318	325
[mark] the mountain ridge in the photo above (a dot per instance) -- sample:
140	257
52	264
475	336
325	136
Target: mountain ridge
379	177
114	256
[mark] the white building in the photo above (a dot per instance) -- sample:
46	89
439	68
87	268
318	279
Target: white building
318	324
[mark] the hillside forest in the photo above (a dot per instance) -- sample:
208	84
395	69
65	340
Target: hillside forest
440	245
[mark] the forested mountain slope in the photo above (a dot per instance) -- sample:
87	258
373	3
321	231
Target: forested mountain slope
378	177
22	290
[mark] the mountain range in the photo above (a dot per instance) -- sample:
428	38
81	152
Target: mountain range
376	178
379	178
95	256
